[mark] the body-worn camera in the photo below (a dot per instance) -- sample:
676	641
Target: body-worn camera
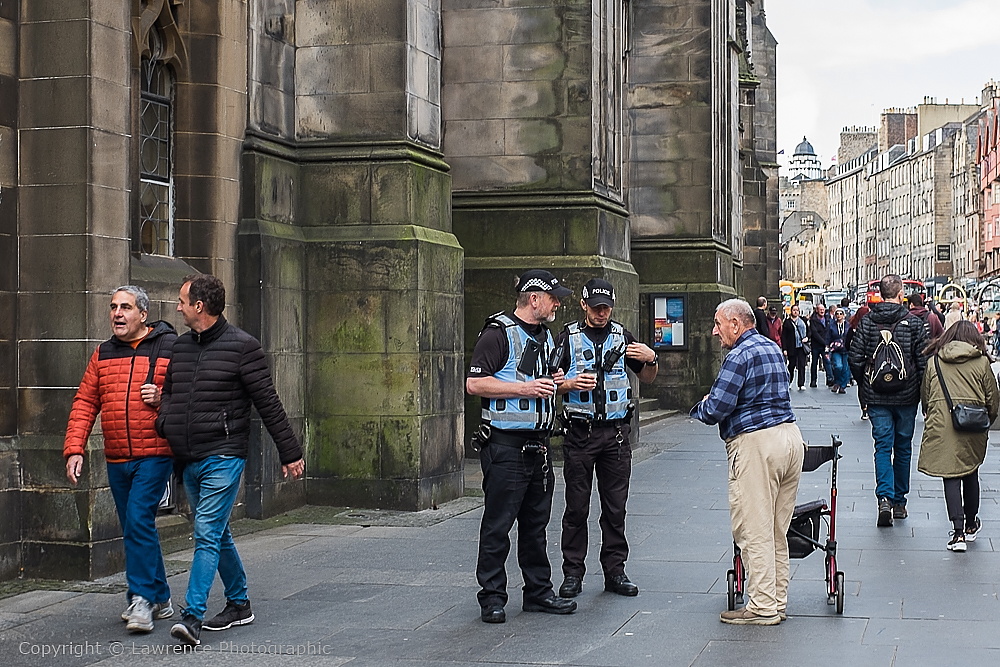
528	364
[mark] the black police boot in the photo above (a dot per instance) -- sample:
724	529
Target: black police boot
620	585
571	586
550	605
493	614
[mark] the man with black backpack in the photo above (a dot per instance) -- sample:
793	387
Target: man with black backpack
886	360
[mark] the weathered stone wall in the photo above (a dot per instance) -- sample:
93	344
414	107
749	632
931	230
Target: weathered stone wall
765	145
347	223
533	121
685	179
10	487
73	204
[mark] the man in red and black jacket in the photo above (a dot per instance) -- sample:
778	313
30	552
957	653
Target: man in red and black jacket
122	383
217	371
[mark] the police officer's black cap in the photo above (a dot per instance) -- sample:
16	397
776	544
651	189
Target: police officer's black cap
540	280
598	292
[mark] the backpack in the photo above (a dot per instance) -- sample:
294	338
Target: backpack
889	368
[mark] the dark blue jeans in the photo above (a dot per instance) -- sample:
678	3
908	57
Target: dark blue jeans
892	429
841	371
137	487
212	485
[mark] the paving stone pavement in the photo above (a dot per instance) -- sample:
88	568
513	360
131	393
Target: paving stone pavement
406	596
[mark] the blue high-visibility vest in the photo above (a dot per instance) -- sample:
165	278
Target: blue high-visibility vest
613	394
515	413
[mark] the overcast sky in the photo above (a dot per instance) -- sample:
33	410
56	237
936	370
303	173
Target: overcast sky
841	63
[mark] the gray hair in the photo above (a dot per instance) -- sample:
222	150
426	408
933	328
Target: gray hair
141	298
737	308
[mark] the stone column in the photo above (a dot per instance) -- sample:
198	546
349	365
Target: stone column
347	230
534	133
10	488
765	148
73	231
686	183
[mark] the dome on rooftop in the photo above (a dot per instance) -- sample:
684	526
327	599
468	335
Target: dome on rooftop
805	148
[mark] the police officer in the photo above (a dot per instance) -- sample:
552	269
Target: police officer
598	406
510	371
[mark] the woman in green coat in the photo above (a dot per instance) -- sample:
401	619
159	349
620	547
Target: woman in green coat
944	452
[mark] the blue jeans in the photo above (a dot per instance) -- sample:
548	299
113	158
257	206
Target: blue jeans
841	371
212	485
137	487
892	429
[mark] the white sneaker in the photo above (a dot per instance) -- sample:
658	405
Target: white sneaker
161	610
141	618
972	532
957	542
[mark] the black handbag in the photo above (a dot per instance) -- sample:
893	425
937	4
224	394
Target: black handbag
967	418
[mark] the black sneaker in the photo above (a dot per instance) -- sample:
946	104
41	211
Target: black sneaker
899	512
233	614
957	541
188	630
884	513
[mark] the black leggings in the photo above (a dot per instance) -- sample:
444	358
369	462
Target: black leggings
961	512
797	360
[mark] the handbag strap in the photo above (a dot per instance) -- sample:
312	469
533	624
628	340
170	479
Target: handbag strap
944	387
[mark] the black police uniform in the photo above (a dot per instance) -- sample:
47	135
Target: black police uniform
517	483
600	446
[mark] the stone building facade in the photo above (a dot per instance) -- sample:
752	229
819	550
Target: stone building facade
367	177
895	210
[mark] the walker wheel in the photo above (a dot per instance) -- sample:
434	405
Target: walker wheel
840	592
731	584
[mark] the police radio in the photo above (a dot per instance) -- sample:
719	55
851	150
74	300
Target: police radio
612	356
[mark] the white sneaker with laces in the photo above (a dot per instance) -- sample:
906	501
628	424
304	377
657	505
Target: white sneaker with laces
957	542
972	531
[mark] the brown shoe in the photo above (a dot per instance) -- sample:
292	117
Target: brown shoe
782	614
746	617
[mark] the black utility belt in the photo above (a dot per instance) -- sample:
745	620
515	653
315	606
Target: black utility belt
510	439
599	423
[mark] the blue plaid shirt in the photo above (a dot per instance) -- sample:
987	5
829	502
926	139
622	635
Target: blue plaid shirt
751	392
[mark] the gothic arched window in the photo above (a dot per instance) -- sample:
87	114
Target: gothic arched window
156	201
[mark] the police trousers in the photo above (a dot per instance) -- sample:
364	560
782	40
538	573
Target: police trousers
517	487
586	451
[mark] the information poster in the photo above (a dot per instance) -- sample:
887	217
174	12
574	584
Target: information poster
669	321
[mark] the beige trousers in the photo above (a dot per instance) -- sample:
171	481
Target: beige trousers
764	471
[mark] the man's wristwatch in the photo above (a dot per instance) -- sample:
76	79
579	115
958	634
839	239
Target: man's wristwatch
654	362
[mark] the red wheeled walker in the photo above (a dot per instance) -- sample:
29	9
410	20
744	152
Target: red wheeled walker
803	533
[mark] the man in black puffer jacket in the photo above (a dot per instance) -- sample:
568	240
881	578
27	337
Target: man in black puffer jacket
892	415
216	371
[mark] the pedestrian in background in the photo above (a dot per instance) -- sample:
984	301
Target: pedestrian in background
773	325
217	371
853	326
794	342
954	314
892	413
760	315
750	403
958	360
819	325
915	303
837	336
122	384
